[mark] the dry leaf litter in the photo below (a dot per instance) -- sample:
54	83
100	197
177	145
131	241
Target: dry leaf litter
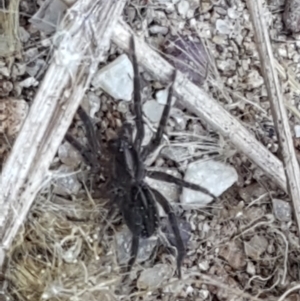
244	246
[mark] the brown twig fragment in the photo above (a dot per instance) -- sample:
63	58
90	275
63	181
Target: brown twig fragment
277	105
53	109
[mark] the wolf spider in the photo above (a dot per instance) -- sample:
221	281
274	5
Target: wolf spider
129	192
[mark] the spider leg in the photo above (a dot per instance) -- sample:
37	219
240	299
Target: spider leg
155	141
88	157
137	99
133	252
173	222
159	175
90	131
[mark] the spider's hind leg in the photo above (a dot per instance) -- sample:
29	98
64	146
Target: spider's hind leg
133	252
174	225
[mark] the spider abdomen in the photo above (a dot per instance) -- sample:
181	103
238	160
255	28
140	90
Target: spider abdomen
140	212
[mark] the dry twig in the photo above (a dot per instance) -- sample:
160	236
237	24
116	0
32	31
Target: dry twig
277	105
9	25
54	106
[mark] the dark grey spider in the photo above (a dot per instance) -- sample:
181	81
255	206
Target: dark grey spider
134	198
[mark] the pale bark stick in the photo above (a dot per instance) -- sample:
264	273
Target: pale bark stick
10	45
200	103
279	113
85	39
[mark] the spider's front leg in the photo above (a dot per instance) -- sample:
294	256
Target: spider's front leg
90	131
137	99
90	156
155	141
86	154
162	176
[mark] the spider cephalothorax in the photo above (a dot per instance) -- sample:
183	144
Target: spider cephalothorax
129	193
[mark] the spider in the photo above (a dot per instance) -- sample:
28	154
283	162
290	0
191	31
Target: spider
129	193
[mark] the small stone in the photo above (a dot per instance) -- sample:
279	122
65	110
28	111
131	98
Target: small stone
12	115
91	103
183	7
233	253
153	277
68	155
223	27
256	246
282	210
161	96
250	268
179	118
49	15
251	192
5	87
65	181
232	13
169	8
29	82
130	12
291	15
122	107
189	290
24	34
17	90
220	11
174	288
18	69
153	110
297	130
123	241
254	80
282	52
30	55
4	71
94	102
116	78
226	66
204	266
220	40
175	153
215	176
33	68
156	29
203	294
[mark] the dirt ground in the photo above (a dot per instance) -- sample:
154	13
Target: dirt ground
242	246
